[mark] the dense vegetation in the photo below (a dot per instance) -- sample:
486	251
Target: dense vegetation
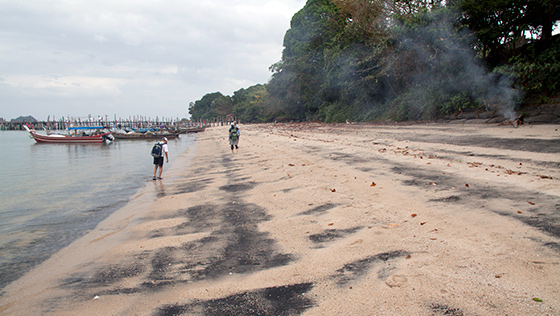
366	60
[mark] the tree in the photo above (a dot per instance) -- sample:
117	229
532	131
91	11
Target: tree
339	59
352	88
249	104
205	108
541	16
222	106
401	59
497	24
297	79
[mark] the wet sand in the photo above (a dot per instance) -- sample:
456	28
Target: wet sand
318	219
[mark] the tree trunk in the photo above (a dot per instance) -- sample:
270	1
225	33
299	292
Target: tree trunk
546	32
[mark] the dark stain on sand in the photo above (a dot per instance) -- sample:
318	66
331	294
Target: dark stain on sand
442	309
518	144
546	219
544	214
238	187
449	199
321	209
233	244
236	247
354	270
281	300
330	235
192	186
109	275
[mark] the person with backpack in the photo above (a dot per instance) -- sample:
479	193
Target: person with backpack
234	136
158	151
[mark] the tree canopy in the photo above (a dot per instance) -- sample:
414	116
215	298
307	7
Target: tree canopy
364	60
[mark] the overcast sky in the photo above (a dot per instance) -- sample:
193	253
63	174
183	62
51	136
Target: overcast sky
133	57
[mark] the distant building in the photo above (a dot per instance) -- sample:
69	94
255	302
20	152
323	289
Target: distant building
28	119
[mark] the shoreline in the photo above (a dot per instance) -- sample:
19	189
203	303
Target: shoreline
56	197
325	219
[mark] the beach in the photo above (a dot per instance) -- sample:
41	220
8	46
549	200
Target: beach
325	219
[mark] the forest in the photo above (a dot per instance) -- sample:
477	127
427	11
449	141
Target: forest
403	60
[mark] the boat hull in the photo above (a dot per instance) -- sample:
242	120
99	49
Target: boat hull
193	130
143	136
62	139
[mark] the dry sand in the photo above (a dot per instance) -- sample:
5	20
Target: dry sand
317	219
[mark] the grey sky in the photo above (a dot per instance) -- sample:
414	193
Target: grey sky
133	57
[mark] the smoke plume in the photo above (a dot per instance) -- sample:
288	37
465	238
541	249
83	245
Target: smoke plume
445	69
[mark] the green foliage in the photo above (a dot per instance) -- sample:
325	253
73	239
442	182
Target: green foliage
222	105
536	72
337	112
249	104
498	24
430	103
297	80
206	108
364	60
494	22
459	102
415	104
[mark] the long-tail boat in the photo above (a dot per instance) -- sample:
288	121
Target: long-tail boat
75	135
147	135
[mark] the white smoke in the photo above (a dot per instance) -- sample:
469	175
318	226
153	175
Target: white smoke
446	64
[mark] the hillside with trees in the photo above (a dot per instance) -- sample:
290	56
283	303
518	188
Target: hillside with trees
369	60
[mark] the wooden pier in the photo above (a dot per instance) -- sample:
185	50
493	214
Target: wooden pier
139	122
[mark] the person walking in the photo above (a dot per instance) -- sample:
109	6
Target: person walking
234	136
158	158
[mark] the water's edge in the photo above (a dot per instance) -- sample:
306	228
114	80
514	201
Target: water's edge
52	232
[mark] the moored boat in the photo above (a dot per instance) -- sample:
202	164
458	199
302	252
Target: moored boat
143	130
193	129
74	136
147	135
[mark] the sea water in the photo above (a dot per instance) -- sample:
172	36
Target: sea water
52	194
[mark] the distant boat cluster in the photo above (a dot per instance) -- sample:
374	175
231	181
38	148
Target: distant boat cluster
107	134
148	133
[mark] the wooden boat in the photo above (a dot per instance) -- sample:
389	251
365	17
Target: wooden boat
143	130
73	136
196	129
147	135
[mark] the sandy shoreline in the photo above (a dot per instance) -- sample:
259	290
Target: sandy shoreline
317	219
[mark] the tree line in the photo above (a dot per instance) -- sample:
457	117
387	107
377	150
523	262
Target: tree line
367	60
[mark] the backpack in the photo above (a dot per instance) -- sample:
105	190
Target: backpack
233	133
157	150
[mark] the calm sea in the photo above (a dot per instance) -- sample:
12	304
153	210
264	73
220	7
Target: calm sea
52	194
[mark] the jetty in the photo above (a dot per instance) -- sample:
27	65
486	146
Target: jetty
132	122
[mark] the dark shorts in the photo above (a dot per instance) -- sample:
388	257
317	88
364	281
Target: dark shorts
158	161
